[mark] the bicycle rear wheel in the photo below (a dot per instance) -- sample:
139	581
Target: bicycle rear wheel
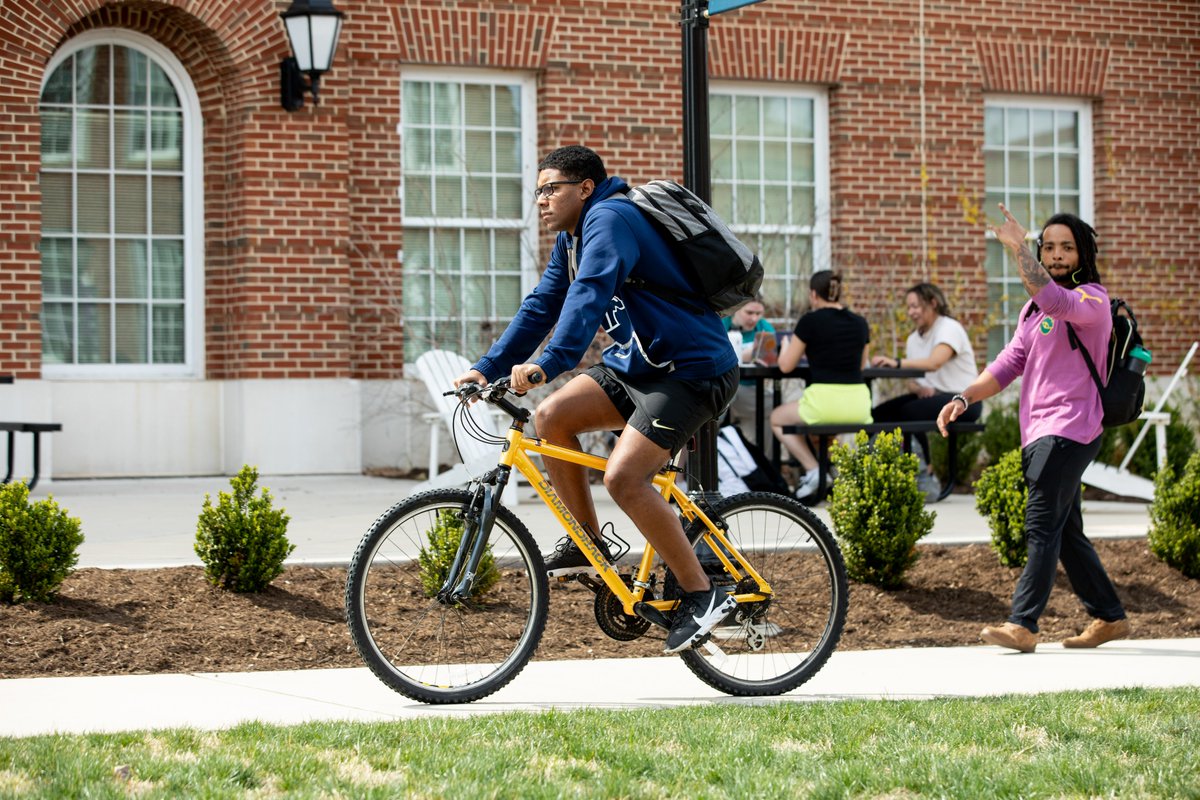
440	651
773	646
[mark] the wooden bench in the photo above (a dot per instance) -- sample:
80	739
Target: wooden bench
826	433
34	428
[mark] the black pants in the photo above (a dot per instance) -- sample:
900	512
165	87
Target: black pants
1053	469
910	407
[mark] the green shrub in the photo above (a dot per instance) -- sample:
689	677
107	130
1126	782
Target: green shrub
436	559
242	540
1181	443
1000	495
1174	535
38	545
1002	431
877	510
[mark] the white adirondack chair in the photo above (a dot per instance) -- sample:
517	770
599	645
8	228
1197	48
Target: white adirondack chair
1120	480
438	369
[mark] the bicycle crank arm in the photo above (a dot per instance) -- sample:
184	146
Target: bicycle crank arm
652	615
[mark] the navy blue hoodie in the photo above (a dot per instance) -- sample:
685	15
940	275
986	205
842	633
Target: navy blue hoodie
651	335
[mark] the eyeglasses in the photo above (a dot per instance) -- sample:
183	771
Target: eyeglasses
547	189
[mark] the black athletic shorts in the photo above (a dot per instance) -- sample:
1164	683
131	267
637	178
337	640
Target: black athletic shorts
667	411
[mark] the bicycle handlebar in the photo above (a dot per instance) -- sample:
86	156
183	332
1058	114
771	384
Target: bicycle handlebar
494	393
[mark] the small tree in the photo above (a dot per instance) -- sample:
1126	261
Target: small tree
1000	495
1174	535
436	559
242	540
877	510
38	545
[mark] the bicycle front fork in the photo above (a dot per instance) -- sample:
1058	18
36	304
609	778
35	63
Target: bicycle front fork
478	518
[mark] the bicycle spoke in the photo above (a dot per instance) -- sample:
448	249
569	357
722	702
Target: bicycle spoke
777	644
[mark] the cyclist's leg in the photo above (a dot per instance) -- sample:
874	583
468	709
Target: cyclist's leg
634	462
579	407
667	413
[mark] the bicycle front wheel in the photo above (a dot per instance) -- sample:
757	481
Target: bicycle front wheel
773	646
441	651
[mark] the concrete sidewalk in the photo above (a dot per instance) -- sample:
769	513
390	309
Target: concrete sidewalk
215	701
151	523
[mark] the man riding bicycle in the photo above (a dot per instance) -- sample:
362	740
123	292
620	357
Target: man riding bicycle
669	370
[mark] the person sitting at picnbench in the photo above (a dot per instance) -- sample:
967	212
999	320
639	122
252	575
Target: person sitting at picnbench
835	341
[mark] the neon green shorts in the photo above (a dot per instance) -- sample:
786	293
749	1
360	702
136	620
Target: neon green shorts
831	403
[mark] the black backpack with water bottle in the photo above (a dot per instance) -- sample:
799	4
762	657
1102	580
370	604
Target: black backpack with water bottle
1125	392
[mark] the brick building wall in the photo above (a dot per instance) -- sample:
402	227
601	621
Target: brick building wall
302	212
302	235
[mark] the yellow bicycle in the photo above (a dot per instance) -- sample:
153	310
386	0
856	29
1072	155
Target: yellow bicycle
447	594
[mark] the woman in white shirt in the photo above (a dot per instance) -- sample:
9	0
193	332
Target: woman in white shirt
940	346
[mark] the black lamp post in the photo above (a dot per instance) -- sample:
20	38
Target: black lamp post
697	173
312	27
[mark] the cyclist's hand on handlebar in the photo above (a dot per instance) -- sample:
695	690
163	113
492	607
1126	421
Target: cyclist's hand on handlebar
468	378
525	376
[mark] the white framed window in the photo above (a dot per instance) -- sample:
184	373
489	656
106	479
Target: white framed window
1037	155
121	243
470	226
769	147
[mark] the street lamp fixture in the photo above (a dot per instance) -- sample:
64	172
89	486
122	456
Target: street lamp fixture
312	28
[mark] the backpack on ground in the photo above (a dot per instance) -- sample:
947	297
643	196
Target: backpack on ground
1125	391
742	467
725	273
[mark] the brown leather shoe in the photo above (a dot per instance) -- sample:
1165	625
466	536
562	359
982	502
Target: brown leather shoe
1100	632
1010	635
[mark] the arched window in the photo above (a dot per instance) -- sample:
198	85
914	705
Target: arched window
121	211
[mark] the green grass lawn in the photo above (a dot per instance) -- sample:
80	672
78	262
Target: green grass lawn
1127	743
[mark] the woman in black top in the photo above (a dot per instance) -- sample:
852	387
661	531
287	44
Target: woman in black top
835	341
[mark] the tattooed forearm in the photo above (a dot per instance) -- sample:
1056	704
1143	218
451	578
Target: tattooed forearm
1033	275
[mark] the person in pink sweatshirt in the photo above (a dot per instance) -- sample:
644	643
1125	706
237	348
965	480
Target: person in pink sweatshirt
1060	418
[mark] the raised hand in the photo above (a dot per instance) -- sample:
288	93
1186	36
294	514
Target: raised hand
1010	233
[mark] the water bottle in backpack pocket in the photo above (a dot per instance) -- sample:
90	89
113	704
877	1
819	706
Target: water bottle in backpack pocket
1123	395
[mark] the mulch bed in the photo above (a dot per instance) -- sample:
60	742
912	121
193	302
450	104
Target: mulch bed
115	622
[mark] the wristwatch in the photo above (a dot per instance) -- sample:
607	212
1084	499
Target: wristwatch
966	403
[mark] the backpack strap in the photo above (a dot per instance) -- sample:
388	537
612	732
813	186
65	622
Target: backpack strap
1078	345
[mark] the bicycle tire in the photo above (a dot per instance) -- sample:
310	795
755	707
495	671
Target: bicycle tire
797	631
432	651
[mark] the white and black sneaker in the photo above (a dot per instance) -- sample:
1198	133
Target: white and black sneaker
698	613
807	486
568	559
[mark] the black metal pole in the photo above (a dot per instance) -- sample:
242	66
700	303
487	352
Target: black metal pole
696	166
697	177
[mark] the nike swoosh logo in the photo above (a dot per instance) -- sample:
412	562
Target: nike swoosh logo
654	423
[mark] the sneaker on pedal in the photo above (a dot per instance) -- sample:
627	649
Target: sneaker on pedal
568	559
698	613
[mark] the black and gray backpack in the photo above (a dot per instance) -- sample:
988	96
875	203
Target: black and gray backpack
1124	391
725	273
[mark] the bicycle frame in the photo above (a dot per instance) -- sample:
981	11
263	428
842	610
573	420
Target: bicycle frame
515	454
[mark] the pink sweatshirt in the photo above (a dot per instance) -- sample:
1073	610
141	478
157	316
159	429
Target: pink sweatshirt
1058	396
